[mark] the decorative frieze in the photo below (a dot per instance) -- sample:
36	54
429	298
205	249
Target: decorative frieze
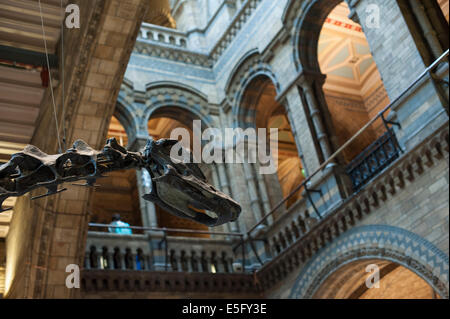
169	52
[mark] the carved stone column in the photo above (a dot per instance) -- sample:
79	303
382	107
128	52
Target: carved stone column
300	128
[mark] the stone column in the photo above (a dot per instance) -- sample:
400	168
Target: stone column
270	190
300	128
315	113
252	190
217	184
225	186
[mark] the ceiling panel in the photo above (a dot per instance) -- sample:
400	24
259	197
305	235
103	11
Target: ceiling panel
21	90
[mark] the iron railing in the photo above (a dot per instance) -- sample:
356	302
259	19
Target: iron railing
374	159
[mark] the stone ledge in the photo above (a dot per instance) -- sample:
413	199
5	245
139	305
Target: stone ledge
147	281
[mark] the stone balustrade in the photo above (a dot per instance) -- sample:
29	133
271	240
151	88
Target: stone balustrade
163	35
106	251
289	227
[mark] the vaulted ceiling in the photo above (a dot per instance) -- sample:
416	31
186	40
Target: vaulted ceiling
344	54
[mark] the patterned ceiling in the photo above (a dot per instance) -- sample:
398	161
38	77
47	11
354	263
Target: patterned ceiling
344	54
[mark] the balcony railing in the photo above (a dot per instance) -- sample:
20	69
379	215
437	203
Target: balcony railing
373	159
98	284
157	251
163	35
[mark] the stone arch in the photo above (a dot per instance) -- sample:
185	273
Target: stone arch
307	27
250	67
380	242
182	104
162	97
118	192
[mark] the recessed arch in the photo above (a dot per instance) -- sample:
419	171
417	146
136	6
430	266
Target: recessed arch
123	113
333	53
258	108
249	68
375	242
307	28
161	97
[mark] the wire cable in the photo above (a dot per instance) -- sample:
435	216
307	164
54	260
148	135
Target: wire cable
50	77
63	79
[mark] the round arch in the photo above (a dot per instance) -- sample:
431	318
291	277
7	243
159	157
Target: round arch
163	98
250	68
375	242
254	86
307	28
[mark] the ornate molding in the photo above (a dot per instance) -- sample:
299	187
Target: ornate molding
250	66
168	52
236	25
375	242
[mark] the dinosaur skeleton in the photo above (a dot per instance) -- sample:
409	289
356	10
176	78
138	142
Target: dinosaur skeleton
177	187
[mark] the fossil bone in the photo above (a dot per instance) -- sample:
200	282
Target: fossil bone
179	188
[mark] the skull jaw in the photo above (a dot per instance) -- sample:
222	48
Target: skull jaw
178	194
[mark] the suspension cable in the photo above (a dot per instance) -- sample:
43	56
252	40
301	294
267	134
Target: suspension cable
63	62
50	77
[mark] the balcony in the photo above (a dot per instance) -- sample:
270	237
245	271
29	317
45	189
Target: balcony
140	265
157	252
163	35
373	160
